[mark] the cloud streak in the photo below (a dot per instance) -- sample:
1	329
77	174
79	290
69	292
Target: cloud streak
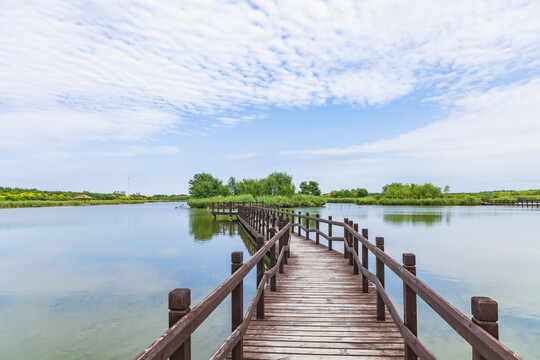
131	70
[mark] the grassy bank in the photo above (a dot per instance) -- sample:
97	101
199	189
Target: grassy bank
40	203
444	201
279	201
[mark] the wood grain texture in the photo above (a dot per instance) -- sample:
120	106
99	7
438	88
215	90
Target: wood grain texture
319	311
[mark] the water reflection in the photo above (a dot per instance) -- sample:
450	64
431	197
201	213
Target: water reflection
420	219
203	227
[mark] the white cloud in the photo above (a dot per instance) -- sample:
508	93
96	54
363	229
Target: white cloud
132	69
491	138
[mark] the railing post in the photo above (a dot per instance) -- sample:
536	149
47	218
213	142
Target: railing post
179	302
281	244
409	304
287	242
351	236
365	265
355	241
317	228
380	275
230	210
485	314
272	256
329	234
307	226
237	304
299	223
292	221
260	277
345	237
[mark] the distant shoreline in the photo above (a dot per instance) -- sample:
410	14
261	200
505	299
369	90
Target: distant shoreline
45	203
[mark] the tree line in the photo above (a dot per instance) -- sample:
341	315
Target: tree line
204	185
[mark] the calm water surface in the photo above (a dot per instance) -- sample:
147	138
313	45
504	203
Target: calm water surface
92	282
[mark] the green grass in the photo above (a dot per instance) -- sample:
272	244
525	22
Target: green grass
40	203
461	200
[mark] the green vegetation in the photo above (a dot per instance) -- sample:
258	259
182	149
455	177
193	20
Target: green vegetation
17	198
168	198
297	200
277	189
310	188
348	194
44	203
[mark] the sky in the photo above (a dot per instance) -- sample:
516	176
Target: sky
346	93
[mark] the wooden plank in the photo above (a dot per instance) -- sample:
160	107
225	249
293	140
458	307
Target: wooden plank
320	311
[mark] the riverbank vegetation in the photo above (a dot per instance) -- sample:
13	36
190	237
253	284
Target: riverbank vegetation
19	197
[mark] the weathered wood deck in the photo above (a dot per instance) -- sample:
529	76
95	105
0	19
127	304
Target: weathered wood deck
319	311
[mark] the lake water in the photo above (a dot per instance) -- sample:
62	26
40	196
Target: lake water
92	282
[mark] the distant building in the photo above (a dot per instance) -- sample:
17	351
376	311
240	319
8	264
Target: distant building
119	193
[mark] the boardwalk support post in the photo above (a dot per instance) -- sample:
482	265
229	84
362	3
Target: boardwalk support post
329	234
179	303
379	241
237	303
260	277
485	315
409	304
365	265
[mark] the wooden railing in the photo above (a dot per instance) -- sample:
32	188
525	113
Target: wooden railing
227	207
518	202
481	332
183	321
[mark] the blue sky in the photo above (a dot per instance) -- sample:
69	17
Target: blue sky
347	93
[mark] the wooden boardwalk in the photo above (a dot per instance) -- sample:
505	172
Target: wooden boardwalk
309	304
318	311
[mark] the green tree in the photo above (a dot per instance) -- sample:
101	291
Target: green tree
278	183
311	188
232	186
447	189
205	185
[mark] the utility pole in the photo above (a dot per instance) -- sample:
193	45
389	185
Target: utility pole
129	185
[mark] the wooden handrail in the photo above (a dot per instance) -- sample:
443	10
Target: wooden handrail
176	335
260	221
478	338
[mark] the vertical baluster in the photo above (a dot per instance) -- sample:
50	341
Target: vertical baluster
356	272
237	304
345	237
299	223
380	275
281	224
350	242
329	234
307	226
485	314
365	258
272	256
179	302
409	304
260	277
317	228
